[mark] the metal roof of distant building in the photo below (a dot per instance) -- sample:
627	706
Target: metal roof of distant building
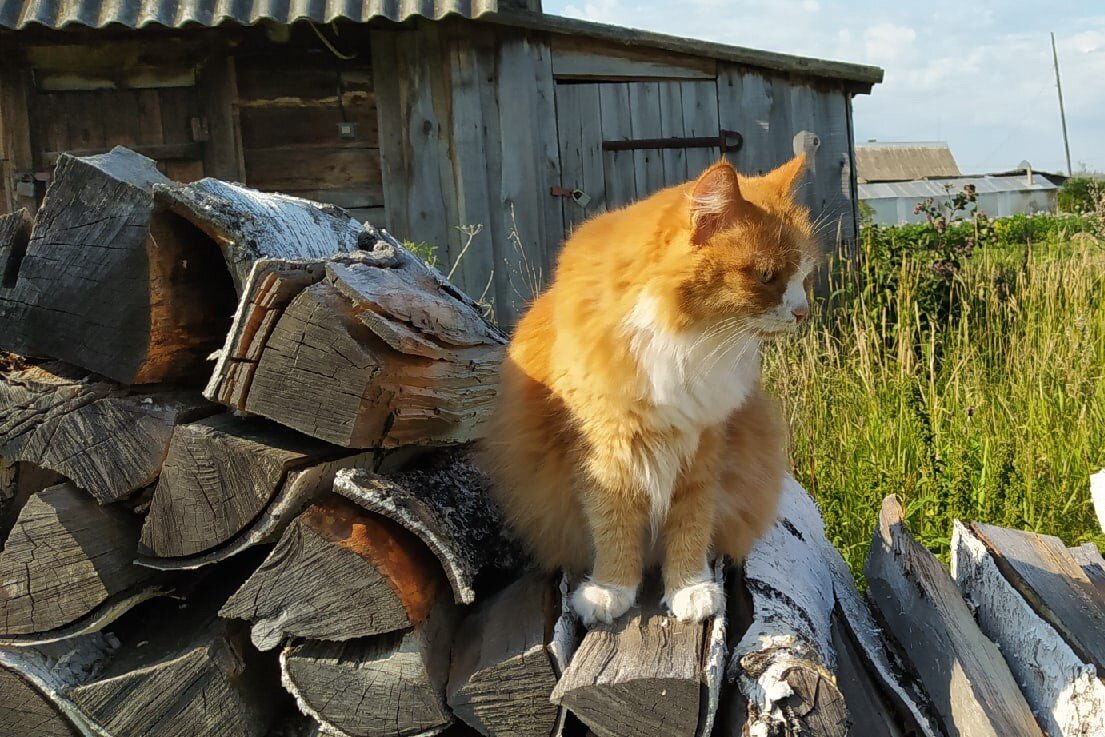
924	188
904	161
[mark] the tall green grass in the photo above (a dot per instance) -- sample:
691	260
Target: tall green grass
974	395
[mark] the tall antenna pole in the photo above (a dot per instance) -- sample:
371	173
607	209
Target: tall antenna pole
1062	112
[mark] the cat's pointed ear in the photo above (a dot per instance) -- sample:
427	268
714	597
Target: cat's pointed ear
785	179
715	201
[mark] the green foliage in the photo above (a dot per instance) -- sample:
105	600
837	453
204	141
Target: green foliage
975	391
1079	194
425	251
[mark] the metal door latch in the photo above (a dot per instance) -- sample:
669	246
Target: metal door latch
577	196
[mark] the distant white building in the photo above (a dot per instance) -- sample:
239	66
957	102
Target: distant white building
895	177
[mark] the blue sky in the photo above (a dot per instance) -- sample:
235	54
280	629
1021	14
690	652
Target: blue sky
976	74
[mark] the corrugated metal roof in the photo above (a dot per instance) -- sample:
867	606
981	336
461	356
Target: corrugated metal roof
897	162
925	188
180	13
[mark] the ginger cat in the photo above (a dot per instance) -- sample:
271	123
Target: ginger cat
631	427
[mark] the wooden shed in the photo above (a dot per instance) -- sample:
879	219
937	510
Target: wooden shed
462	124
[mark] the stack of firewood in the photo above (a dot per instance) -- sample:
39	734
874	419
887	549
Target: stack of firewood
237	499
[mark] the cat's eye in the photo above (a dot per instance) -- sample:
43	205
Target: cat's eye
766	277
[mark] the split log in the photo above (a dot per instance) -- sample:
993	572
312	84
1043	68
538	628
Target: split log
102	287
378	351
19	481
390	685
248	225
1093	565
867	709
447	504
785	662
640	676
24	711
1045	573
962	671
502	674
338	573
66	567
15	232
107	439
1062	688
219	475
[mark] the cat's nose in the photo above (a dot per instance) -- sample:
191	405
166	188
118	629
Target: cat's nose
800	313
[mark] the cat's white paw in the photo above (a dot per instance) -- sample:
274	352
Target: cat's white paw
696	602
595	601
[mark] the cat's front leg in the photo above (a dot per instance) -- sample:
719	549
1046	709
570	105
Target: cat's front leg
617	515
690	591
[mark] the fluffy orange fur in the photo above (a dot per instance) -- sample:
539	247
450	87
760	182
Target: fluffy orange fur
631	427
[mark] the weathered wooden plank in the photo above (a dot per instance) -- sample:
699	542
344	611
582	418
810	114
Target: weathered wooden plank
65	558
322	167
962	671
1093	565
1042	569
396	172
621	186
577	57
1062	688
644	122
338	573
84	116
868	712
641	675
218	86
577	109
282	78
308	126
784	663
501	675
15	109
671	126
15	232
107	439
102	287
700	118
446	503
218	476
391	684
745	101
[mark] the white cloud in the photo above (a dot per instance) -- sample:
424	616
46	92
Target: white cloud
887	43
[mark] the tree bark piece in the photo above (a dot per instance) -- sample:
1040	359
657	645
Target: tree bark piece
501	674
15	233
338	573
1046	574
391	685
101	287
962	671
1093	565
249	225
218	476
378	351
109	440
785	662
447	504
65	559
640	676
1061	687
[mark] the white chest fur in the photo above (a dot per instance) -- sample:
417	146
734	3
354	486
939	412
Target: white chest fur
692	380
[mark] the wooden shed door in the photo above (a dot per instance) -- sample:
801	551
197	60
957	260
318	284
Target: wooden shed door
589	113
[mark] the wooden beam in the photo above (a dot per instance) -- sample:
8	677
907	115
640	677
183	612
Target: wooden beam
18	147
223	154
1062	688
579	58
962	671
157	151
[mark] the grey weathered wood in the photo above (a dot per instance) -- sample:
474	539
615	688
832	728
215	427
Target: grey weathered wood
379	351
577	109
962	671
579	59
868	710
218	475
641	675
391	685
108	439
249	225
1063	689
671	126
700	118
102	287
784	662
182	672
446	503
15	232
338	573
745	99
19	481
1042	569
1093	565
25	711
65	558
645	122
501	674
618	166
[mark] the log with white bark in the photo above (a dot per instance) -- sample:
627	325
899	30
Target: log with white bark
370	349
219	475
339	573
107	439
67	567
502	673
390	685
970	685
446	503
785	662
1062	688
103	287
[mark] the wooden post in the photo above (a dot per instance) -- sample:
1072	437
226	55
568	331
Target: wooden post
18	148
962	671
223	156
